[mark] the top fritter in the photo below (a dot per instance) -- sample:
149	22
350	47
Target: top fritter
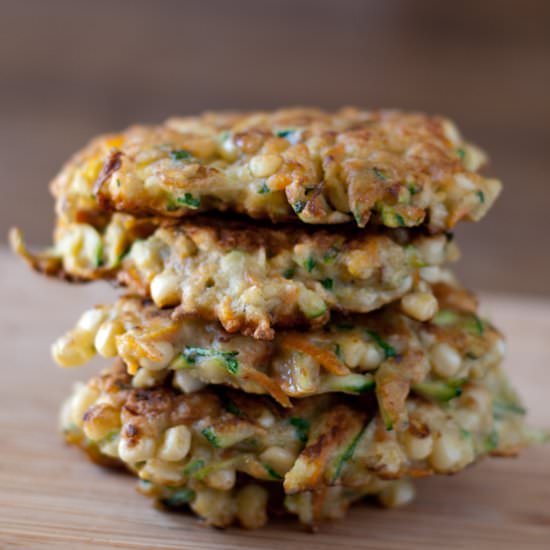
385	168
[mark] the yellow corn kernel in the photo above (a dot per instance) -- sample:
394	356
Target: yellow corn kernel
91	320
73	349
83	398
398	493
450	453
161	472
360	354
131	451
101	420
175	444
105	339
165	354
216	507
165	290
417	448
222	479
421	306
445	360
263	166
186	382
252	506
279	458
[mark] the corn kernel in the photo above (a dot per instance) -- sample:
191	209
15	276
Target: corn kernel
73	349
398	493
263	166
132	452
421	306
445	360
176	444
105	339
252	506
100	420
165	289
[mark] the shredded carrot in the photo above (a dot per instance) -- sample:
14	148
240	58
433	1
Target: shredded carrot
326	358
132	367
142	349
161	331
457	215
270	385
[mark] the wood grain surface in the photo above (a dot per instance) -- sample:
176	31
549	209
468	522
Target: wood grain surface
52	497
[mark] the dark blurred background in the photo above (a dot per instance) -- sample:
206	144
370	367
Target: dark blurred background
71	69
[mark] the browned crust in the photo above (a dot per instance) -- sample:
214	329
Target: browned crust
370	157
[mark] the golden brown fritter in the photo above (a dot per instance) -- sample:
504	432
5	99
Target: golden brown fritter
251	278
389	168
386	350
202	448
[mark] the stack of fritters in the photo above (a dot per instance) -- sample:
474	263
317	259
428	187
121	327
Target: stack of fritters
292	340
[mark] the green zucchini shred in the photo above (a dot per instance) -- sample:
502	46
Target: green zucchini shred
413	187
272	473
316	314
491	441
310	264
327	283
386	418
439	390
285	133
264	189
145	483
470	322
445	317
389	351
190	354
380	174
289	273
123	255
193	467
347	454
301	425
211	437
200	474
390	217
350	383
414	258
99	256
330	255
180	154
501	409
189	200
230	406
179	497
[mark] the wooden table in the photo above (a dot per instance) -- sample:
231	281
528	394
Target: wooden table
52	497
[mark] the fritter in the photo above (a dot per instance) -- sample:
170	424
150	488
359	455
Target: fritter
385	352
251	278
389	168
203	447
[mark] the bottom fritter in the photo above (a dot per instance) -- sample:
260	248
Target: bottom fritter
237	457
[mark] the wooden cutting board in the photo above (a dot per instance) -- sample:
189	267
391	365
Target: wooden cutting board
52	497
